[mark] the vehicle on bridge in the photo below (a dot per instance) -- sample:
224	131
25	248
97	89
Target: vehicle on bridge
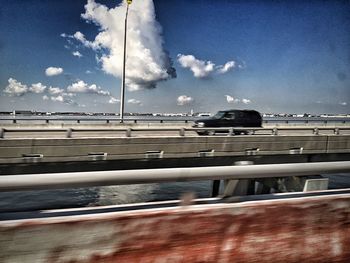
230	118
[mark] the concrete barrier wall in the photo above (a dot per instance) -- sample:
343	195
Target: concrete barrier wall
12	150
338	143
304	229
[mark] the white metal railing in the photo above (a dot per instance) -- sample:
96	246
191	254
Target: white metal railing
162	119
144	176
99	120
230	131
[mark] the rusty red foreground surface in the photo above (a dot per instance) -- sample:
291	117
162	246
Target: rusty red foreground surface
308	229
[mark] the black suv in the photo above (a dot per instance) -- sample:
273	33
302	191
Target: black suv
230	118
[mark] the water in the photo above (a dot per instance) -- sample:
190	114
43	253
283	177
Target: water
100	196
122	194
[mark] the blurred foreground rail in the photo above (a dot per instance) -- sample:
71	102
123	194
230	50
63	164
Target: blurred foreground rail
145	176
291	227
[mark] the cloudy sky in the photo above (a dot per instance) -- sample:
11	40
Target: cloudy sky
205	55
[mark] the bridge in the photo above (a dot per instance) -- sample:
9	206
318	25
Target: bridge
123	147
232	225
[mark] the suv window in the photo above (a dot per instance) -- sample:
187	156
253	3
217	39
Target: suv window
219	115
229	115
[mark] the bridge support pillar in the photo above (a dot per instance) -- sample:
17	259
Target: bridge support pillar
239	187
292	184
262	189
236	187
216	188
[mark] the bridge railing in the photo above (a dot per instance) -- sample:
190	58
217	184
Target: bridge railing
99	120
129	132
189	119
146	176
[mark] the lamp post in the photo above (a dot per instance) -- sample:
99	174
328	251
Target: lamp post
122	90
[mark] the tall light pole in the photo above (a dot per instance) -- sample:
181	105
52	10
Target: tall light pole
122	90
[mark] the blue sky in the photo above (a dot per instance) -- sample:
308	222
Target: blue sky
273	56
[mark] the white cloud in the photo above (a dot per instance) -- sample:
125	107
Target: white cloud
82	87
58	98
60	95
184	100
56	94
242	65
37	88
227	67
77	54
134	101
53	71
343	103
78	87
63	99
88	72
147	62
55	90
201	68
64	35
231	99
15	88
71	95
246	101
81	38
113	100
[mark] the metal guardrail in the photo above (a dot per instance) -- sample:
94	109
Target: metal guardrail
270	120
145	176
230	131
101	120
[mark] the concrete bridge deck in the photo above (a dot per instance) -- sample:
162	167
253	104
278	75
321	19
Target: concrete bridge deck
109	148
25	151
298	227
